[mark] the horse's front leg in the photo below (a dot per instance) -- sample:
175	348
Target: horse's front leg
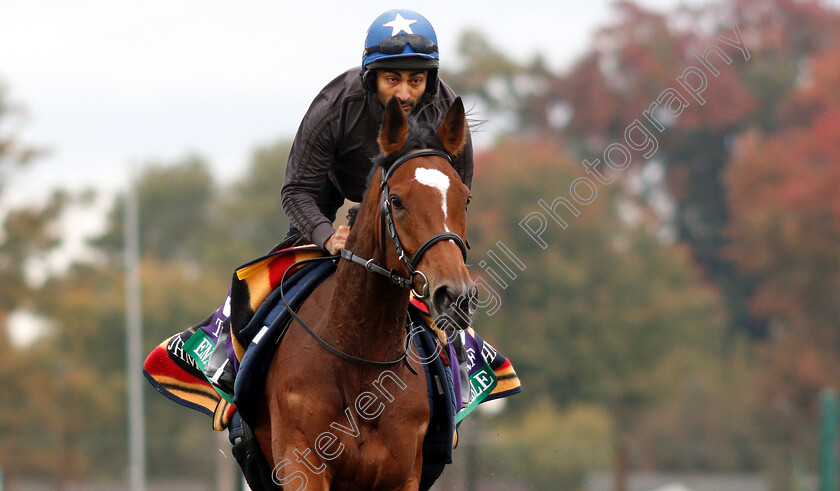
298	468
413	483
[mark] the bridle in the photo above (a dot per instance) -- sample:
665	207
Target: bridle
388	228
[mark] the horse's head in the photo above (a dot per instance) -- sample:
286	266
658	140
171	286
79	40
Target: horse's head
426	201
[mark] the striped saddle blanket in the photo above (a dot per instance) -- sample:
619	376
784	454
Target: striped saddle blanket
215	366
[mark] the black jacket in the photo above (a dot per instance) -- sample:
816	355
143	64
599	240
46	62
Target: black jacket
337	140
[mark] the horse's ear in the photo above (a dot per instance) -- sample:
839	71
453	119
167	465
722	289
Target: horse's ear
394	130
452	132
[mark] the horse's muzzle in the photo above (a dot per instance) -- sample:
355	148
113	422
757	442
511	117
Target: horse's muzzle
454	308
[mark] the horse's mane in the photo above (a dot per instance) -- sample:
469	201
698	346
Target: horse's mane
352	213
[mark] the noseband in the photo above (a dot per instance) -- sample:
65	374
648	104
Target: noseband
388	228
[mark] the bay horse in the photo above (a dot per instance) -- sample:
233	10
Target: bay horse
349	411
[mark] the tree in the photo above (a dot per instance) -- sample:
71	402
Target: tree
602	311
253	216
193	234
177	203
521	97
28	233
630	63
786	238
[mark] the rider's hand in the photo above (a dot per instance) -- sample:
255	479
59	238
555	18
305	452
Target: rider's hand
337	240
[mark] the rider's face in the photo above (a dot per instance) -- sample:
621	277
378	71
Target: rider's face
407	85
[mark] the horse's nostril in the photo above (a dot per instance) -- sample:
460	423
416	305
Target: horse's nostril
464	304
443	298
454	308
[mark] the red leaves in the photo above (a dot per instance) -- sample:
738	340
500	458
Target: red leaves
784	195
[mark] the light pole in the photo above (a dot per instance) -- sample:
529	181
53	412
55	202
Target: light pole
136	424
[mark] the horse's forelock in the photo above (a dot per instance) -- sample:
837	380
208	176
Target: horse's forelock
420	135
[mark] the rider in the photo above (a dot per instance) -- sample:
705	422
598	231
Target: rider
330	159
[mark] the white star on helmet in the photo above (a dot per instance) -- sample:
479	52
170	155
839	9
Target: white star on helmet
399	25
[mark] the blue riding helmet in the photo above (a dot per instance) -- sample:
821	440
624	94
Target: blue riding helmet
403	40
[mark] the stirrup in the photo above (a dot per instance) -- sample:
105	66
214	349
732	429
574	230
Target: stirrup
236	429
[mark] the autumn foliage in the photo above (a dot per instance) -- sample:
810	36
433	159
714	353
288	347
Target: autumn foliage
785	230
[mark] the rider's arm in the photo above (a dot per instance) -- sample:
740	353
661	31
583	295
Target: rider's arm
307	170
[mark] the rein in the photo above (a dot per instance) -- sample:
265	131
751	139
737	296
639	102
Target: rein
332	349
411	264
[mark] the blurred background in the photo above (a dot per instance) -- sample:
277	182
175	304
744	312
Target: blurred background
680	331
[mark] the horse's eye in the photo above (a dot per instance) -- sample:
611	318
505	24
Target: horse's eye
396	202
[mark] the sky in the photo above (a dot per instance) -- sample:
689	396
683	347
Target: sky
110	86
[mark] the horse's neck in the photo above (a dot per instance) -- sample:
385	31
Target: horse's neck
363	295
366	308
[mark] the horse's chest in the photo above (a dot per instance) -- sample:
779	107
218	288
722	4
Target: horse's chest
382	431
384	458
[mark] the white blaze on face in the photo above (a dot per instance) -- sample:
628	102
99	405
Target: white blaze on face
438	180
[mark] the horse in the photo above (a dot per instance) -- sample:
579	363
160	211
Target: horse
344	405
